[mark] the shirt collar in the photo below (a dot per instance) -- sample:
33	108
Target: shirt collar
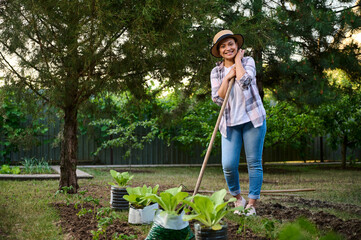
220	65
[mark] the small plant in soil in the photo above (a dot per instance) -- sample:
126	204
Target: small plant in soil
6	169
171	200
138	196
65	190
303	229
117	236
34	165
209	210
81	200
105	217
168	223
269	226
121	179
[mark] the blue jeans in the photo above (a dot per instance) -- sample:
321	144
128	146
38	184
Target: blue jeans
253	139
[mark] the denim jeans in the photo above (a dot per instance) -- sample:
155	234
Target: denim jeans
253	139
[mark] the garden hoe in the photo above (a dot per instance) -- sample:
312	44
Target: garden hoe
209	150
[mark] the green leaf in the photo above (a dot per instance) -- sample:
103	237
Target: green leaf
171	200
138	195
217	227
122	179
208	210
217	197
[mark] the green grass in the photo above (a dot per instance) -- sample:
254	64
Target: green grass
26	213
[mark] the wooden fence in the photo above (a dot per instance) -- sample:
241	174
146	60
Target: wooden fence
159	153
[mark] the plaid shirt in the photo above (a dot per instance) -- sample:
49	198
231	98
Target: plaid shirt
253	107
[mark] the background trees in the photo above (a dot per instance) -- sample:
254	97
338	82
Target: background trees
67	51
19	128
341	116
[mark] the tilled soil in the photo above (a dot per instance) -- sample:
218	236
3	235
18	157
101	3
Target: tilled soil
75	227
350	229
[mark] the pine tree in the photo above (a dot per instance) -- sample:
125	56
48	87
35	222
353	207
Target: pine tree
293	42
68	51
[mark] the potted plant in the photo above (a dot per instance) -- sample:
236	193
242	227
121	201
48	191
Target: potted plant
168	223
209	212
118	190
141	210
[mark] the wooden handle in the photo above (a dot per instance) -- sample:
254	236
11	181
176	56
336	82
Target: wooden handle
209	150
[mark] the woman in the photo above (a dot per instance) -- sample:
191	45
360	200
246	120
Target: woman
244	118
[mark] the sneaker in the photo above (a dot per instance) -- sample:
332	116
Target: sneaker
250	210
239	202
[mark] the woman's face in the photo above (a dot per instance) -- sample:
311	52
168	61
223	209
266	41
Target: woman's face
228	48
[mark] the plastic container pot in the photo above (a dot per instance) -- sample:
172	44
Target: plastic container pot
116	198
142	216
204	233
167	226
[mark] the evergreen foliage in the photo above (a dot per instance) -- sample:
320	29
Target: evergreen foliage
67	51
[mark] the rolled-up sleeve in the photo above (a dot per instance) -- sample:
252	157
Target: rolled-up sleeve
216	84
250	74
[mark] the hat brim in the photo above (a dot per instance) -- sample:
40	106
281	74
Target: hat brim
214	50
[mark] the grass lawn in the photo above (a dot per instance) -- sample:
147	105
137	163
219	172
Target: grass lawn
26	209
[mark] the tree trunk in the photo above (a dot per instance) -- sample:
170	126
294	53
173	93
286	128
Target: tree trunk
343	151
69	147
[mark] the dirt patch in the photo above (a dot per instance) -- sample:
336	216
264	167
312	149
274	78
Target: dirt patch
351	229
79	228
233	235
76	227
314	203
102	192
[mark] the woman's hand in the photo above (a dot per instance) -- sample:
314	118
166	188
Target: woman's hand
239	55
224	86
231	74
238	63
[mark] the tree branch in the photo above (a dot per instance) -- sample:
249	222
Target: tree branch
20	56
345	9
23	79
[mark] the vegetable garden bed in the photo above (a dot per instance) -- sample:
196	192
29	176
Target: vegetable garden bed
275	208
43	176
334	206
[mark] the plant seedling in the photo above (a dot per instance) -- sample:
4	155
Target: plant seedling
6	169
122	179
65	191
117	236
171	200
138	195
269	226
209	210
105	217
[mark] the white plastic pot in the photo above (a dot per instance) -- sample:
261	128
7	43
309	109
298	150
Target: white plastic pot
170	221
142	216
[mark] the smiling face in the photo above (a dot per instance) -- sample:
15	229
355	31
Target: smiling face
228	49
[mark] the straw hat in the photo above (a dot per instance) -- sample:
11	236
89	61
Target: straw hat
222	35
